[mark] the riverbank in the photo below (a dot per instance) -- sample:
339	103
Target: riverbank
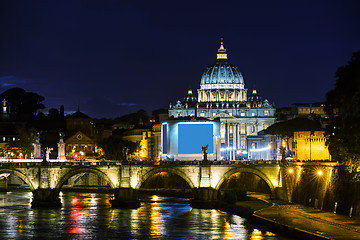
295	220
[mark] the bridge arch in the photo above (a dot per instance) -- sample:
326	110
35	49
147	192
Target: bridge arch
20	175
247	170
154	171
76	171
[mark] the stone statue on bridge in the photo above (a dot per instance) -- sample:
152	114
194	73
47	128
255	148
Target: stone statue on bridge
125	153
204	151
48	151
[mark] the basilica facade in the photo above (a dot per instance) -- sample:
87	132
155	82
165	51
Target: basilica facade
222	95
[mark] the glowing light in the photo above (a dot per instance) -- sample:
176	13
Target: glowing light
256	234
260	149
75	201
290	170
320	173
155	198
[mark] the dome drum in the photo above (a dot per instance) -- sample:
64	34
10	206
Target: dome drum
222	95
222	86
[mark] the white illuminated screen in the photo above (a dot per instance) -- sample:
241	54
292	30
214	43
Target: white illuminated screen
191	137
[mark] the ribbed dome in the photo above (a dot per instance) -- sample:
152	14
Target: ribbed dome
222	71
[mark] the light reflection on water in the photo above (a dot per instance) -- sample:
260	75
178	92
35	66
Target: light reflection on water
90	216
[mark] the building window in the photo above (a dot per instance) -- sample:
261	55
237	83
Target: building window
266	113
4	139
242	114
213	113
253	129
242	144
202	114
230	113
253	114
179	113
222	96
242	129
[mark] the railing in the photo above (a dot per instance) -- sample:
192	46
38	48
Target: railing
39	162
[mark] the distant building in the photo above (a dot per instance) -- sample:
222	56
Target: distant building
149	140
222	95
305	109
83	135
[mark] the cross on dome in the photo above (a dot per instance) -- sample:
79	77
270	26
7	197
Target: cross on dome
222	51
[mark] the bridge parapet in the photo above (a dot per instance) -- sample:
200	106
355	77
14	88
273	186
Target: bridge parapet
30	163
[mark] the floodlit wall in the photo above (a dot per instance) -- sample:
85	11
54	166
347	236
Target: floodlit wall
311	146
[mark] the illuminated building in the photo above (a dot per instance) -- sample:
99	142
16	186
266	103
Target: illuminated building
304	109
183	139
222	95
311	146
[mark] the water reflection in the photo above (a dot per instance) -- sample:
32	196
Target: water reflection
90	216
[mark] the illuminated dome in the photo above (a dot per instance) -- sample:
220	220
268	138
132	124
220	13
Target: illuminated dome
190	98
222	71
254	97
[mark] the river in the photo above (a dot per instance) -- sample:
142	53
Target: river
90	216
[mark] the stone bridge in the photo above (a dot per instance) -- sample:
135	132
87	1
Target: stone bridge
204	178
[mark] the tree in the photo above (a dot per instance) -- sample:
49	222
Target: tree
286	129
113	147
24	144
343	107
22	104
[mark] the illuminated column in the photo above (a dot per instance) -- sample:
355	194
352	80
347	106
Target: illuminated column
239	137
228	140
235	136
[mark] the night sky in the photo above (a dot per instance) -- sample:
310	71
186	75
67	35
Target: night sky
111	58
